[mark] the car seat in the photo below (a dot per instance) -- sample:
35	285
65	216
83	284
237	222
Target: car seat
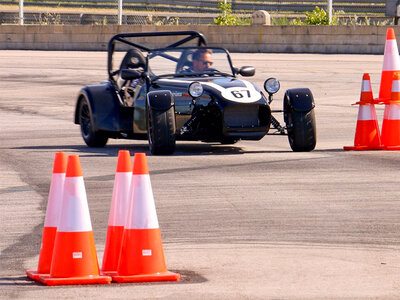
185	62
133	59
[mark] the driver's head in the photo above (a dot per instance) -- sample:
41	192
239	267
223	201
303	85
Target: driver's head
202	59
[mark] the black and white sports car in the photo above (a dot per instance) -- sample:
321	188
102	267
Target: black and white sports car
157	94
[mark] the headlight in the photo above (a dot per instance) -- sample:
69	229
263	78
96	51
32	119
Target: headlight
272	85
195	89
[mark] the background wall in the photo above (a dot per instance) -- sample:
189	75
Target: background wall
280	39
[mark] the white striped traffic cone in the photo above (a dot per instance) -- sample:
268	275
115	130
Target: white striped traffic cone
367	135
391	118
142	255
391	64
74	257
118	212
52	216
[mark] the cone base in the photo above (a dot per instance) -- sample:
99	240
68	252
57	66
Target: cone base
391	148
164	276
361	148
382	100
94	279
34	275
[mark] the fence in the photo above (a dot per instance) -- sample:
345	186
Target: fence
211	6
163	12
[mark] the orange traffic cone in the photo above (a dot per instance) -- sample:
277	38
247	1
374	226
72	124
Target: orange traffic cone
52	216
391	118
74	257
391	64
142	255
118	212
367	131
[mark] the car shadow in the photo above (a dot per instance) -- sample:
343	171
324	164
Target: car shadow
182	149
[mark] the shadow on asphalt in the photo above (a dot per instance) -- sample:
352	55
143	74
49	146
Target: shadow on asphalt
18	281
181	149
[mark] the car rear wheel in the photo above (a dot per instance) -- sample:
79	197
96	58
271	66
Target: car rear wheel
301	130
161	131
92	137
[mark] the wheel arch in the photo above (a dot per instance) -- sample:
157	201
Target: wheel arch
298	99
82	95
103	104
160	100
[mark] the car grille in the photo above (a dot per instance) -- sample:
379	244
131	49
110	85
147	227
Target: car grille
241	116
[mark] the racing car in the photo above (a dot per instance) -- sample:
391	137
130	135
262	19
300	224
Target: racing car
157	94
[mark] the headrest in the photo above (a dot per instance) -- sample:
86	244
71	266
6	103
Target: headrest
133	59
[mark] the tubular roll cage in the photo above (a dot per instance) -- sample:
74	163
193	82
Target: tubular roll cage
124	38
190	35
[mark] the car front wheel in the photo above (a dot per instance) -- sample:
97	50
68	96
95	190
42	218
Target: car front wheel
301	130
161	131
91	137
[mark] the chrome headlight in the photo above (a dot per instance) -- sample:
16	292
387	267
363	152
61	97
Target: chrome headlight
272	85
195	89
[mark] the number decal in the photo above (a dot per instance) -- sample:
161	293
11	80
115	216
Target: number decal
243	92
239	93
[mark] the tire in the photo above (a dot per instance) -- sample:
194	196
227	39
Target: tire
161	131
92	137
301	130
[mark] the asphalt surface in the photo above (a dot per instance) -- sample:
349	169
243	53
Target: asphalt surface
249	221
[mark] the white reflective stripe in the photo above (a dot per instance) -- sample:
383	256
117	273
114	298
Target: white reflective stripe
142	211
394	112
54	201
75	215
244	94
391	60
366	86
366	113
396	86
386	112
120	199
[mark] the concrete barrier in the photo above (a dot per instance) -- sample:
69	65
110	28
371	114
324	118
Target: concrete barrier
255	38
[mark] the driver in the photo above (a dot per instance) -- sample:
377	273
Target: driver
202	59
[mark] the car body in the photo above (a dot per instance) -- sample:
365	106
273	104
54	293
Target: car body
156	94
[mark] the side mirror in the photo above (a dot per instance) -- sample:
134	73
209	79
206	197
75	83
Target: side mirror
247	71
129	74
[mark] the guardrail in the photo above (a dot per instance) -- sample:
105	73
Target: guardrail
211	6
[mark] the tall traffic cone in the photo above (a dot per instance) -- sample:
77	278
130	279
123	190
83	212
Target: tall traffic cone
367	131
391	118
391	64
74	257
142	255
52	216
118	212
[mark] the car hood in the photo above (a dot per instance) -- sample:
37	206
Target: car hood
231	89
